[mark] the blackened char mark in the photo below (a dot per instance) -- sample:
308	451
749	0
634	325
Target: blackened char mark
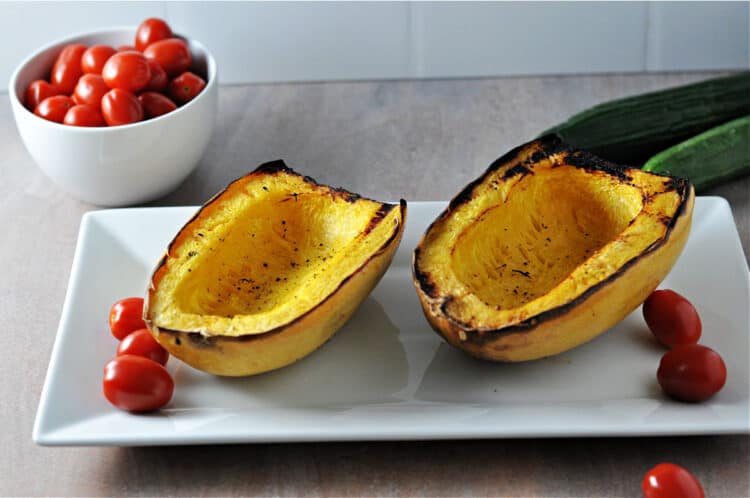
547	145
682	187
590	162
464	196
195	338
675	184
346	195
277	166
310	179
201	341
518	169
273	167
538	156
379	215
424	279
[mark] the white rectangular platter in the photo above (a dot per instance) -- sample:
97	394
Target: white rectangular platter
386	375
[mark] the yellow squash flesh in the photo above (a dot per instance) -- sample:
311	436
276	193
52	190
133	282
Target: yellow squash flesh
549	248
268	270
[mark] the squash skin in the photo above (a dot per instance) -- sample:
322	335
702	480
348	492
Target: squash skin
578	319
255	353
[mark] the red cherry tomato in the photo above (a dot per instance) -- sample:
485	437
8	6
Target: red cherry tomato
142	343
54	108
90	90
137	384
158	82
172	55
672	318
126	316
668	480
150	31
120	108
93	58
36	92
125	48
127	71
67	68
155	104
185	87
84	115
691	372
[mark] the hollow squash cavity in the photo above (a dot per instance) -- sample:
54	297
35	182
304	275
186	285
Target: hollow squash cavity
276	249
268	270
549	223
548	248
265	252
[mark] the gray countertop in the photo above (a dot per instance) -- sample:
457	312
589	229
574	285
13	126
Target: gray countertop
420	140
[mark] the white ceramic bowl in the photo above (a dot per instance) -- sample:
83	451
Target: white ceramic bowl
120	165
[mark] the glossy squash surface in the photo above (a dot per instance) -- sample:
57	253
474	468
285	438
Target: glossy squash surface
547	249
268	270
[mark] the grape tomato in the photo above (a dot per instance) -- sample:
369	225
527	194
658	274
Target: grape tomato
84	115
37	91
90	90
94	57
120	107
127	71
691	372
172	55
668	480
142	343
67	68
672	319
54	108
137	384
151	30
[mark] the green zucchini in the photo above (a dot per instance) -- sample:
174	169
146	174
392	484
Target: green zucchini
719	154
630	130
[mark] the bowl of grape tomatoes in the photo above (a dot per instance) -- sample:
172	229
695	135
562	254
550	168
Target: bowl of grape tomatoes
118	116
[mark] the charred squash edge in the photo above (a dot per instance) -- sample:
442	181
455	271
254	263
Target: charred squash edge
274	168
550	145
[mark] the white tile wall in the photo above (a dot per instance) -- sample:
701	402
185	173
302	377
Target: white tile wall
264	41
699	35
530	38
297	41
